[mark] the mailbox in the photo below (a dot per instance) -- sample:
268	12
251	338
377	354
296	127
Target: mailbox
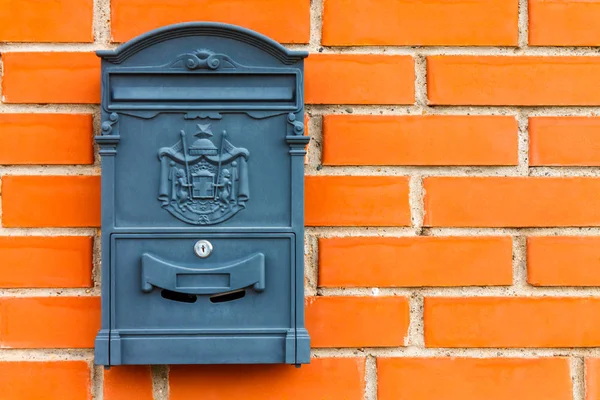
202	148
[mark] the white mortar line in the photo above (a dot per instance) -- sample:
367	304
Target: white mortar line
415	335
160	382
326	232
316	25
430	352
519	260
40	355
97	381
578	377
466	291
370	378
50	292
523	24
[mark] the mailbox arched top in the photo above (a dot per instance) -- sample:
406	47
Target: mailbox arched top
218	29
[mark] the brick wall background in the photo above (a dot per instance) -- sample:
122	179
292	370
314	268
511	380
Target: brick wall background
452	199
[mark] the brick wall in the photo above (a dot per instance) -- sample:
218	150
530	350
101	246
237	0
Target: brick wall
452	199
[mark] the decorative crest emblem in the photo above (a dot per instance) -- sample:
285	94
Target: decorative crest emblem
203	184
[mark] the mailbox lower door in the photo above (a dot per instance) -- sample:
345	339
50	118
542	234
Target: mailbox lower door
233	306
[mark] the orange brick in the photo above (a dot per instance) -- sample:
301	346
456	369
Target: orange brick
66	139
419	140
592	379
512	322
42	261
55	77
564	141
64	380
505	80
415	261
563	261
57	201
356	201
473	378
428	22
128	382
48	322
46	21
564	23
511	202
359	79
323	378
357	321
287	21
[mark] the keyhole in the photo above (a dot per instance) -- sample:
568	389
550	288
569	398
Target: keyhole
203	248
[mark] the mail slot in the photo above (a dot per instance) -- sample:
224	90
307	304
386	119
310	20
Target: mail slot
202	146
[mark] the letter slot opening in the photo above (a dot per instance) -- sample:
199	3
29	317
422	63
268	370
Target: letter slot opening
230	296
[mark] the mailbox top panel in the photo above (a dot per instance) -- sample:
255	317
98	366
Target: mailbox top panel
161	45
202	66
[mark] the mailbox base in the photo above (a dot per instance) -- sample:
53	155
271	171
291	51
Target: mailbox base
181	348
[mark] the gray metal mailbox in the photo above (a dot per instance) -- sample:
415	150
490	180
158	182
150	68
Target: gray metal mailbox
202	149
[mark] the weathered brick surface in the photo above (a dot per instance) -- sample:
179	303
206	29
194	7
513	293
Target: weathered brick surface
29	380
46	21
47	139
428	23
425	261
512	202
359	79
330	378
473	378
45	261
511	80
511	322
564	23
55	201
48	322
357	321
419	140
50	77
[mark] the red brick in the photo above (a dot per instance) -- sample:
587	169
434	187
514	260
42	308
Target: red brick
359	79
506	80
356	201
428	22
46	21
511	201
56	201
357	321
287	21
425	261
66	139
49	322
564	23
42	261
473	378
128	382
564	141
56	77
419	140
323	378
563	261
48	380
512	322
592	379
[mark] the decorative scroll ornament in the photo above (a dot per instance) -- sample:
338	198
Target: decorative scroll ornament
205	183
203	59
298	127
107	126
